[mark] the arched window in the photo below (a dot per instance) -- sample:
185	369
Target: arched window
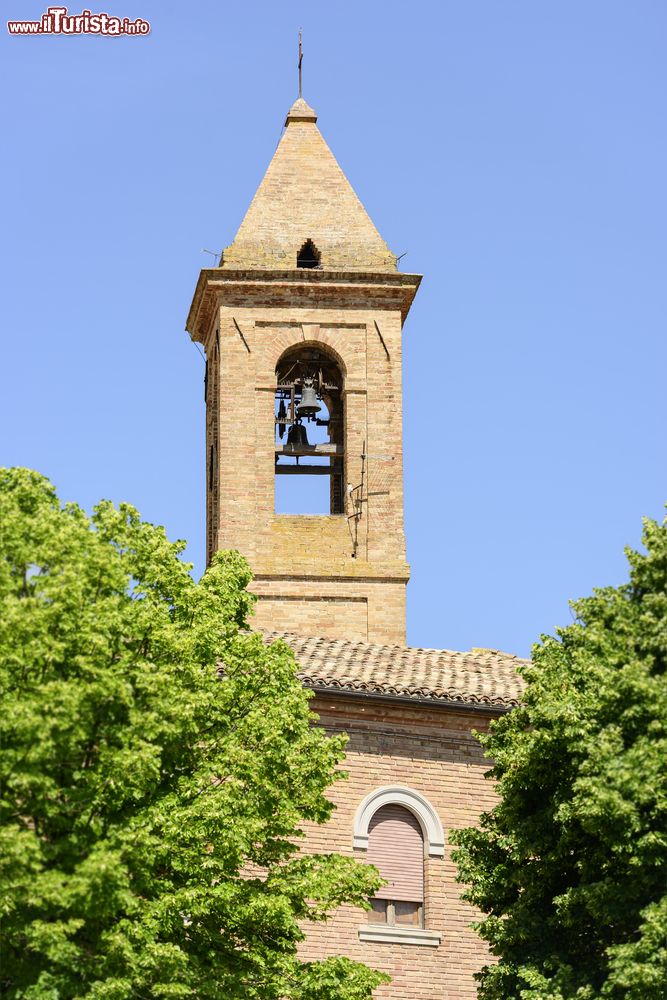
308	255
396	848
400	832
309	453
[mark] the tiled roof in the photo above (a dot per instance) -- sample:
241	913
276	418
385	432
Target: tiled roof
481	677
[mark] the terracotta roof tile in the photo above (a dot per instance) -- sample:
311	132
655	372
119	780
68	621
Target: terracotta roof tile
479	677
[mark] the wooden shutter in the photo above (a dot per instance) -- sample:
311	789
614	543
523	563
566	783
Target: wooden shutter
396	847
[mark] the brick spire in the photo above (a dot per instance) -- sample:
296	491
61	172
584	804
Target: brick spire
306	196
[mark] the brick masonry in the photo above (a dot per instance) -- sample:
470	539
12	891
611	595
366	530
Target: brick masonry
433	752
353	559
342	575
305	195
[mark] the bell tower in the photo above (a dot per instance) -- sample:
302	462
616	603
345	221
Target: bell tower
301	323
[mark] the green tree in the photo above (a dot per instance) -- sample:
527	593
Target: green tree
157	766
571	864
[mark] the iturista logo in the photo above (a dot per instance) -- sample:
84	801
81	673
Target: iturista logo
58	21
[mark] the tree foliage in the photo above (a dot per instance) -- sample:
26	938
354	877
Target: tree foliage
151	800
571	864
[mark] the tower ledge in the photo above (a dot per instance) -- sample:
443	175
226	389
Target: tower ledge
363	289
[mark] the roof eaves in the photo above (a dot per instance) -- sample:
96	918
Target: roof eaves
459	704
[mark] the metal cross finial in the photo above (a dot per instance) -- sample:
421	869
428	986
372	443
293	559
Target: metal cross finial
300	61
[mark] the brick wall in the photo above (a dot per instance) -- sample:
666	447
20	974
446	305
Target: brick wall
431	751
305	195
355	560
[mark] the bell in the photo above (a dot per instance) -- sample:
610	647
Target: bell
296	435
308	406
282	413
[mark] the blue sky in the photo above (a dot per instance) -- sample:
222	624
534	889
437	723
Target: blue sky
516	152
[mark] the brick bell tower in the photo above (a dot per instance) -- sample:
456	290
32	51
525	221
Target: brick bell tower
301	323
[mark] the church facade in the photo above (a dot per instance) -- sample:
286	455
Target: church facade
302	323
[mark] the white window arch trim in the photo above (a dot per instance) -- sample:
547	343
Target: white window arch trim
418	805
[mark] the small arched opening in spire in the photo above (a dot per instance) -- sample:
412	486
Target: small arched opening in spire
308	255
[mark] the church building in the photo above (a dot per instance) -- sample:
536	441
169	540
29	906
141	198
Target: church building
301	323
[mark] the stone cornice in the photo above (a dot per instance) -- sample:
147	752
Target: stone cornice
347	289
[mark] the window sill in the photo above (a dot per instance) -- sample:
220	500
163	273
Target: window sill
397	934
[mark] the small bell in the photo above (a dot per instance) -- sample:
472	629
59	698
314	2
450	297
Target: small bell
282	413
308	406
297	436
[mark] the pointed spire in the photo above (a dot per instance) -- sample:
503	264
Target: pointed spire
306	196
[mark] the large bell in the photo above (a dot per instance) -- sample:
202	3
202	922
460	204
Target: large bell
309	405
296	435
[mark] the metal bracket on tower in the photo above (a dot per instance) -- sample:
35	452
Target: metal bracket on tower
241	334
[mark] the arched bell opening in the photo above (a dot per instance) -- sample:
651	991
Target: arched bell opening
309	449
